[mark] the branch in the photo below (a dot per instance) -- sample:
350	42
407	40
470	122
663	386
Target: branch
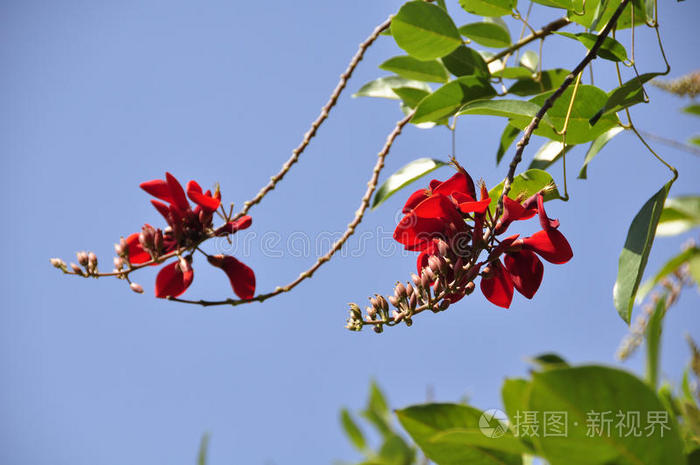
522	143
545	31
371	186
318	121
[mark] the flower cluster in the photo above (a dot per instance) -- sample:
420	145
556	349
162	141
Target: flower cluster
458	240
186	229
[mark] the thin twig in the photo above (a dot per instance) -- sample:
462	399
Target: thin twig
672	143
371	186
545	31
520	146
318	121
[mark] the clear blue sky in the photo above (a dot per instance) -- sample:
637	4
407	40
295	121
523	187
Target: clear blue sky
99	96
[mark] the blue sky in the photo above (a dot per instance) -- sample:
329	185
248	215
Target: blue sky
100	96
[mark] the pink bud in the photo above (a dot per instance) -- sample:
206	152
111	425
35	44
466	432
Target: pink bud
136	288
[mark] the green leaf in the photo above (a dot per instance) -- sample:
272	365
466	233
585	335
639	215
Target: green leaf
383	87
680	214
695	269
377	411
412	68
410	96
507	138
395	451
488	34
530	60
448	99
565	4
526	185
516	72
695	140
653	338
548	361
488	7
669	267
585	393
425	31
588	100
597	13
548	80
465	61
548	153
203	448
596	146
518	109
515	393
611	49
693	109
450	434
405	176
628	94
635	254
352	431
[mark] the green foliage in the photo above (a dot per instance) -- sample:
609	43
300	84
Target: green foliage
448	99
545	81
203	448
488	34
610	50
510	133
491	8
464	61
596	146
680	214
628	94
687	256
425	31
525	185
412	68
405	176
635	254
598	12
653	340
384	87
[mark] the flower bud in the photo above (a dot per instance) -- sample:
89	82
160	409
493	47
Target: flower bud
408	322
82	258
437	286
118	249
396	316
136	288
371	311
434	264
409	289
425	279
185	264
443	248
394	301
374	302
355	311
413	301
76	269
469	288
118	263
400	290
487	272
92	260
58	263
378	329
416	280
383	303
444	305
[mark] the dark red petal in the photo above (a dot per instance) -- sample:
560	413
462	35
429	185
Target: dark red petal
177	193
242	278
415	232
526	270
499	288
478	207
231	227
415	198
545	222
439	207
429	249
549	244
207	202
162	209
158	188
459	182
172	281
460	197
136	253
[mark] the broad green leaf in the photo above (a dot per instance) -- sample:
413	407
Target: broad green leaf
395	451
679	215
628	94
203	449
565	4
487	34
669	267
494	65
431	426
507	138
352	431
425	31
653	338
405	176
635	254
598	12
383	87
507	108
588	100
412	68
410	96
488	7
596	146
526	185
693	109
584	394
530	60
448	99
465	61
515	393
548	153
377	411
548	361
611	49
547	80
516	72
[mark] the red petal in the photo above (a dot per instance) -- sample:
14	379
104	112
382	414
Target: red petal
460	182
545	222
422	260
526	270
172	281
478	207
207	202
231	227
550	244
415	198
415	232
177	193
136	253
242	278
162	209
158	188
439	207
499	288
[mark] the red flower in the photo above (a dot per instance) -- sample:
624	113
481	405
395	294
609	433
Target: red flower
241	277
498	288
174	279
459	183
